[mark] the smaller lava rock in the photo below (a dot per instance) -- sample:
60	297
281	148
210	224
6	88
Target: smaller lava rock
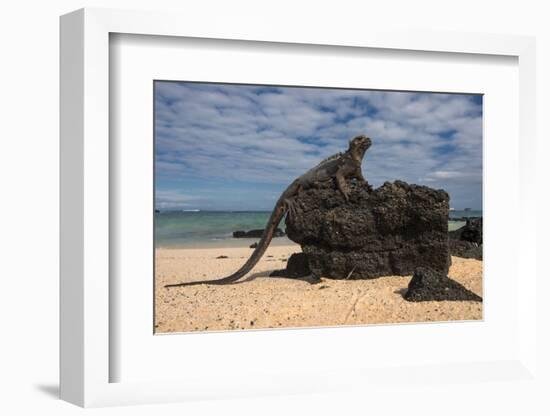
472	231
429	285
253	245
467	241
465	249
222	257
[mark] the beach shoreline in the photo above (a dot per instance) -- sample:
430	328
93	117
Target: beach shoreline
205	229
262	302
226	243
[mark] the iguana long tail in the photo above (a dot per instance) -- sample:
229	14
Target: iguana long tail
274	220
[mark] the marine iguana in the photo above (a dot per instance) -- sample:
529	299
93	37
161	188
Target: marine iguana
337	167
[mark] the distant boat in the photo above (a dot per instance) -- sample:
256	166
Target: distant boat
191	210
452	209
467	209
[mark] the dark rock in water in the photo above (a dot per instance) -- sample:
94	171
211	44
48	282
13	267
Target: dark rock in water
256	233
467	241
472	231
462	219
465	249
386	231
296	266
253	245
429	285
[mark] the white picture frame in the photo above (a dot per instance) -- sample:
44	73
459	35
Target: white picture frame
86	356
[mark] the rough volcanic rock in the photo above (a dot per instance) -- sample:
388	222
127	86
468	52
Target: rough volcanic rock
465	249
386	231
256	233
296	266
472	231
429	285
467	241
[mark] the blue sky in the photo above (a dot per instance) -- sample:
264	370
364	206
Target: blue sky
237	147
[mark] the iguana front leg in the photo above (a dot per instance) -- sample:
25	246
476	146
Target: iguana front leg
342	185
359	175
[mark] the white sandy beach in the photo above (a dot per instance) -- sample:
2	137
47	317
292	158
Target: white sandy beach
260	301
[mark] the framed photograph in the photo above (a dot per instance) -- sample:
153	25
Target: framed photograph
233	156
262	213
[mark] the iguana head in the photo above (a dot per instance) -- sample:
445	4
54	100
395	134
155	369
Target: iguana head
359	145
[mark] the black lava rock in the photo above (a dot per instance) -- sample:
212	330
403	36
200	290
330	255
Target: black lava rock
386	231
465	249
256	233
296	266
429	285
472	231
467	241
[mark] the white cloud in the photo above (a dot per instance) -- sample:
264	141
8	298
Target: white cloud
272	135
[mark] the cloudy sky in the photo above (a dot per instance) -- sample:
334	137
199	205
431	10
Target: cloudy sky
237	147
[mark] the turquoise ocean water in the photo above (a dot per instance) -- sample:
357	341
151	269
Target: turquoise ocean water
215	228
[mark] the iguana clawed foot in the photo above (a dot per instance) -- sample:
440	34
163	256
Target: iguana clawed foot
345	193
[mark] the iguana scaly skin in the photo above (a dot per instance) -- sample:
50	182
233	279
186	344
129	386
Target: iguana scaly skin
337	167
